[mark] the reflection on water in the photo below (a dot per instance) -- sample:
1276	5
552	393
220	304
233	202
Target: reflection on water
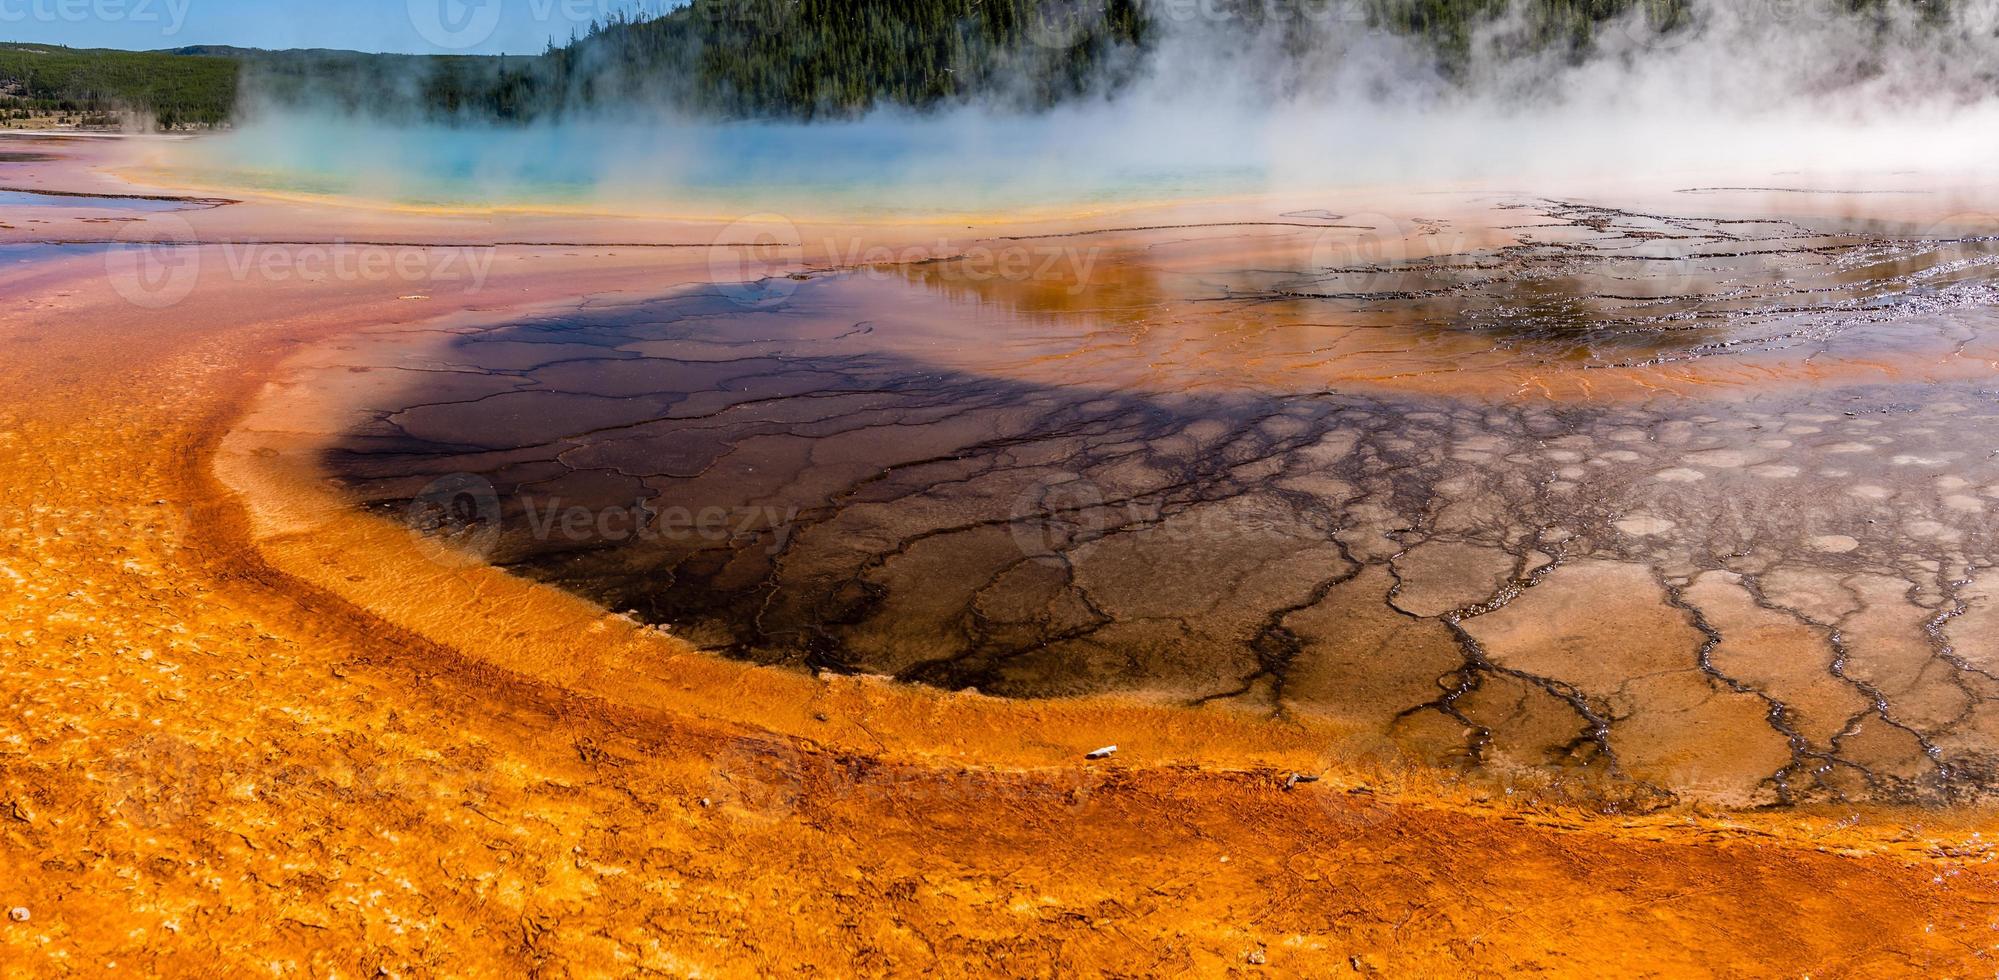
34	253
93	202
1414	303
1233	467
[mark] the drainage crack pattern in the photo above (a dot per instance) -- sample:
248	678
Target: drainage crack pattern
1769	599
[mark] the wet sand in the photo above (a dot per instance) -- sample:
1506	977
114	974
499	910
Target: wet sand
258	726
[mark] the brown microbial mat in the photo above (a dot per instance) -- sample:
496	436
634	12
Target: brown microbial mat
1679	508
1409	554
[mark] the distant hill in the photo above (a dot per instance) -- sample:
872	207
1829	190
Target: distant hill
230	51
174	90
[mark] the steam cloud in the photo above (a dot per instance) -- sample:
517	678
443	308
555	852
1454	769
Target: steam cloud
1310	98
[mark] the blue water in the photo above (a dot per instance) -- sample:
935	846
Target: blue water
30	199
878	167
14	255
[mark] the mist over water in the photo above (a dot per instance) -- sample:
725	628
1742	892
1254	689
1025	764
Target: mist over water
887	165
1766	87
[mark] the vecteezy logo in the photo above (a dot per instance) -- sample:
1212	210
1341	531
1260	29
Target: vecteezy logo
455	25
456	519
757	780
155	263
1060	24
1346	782
1364	256
1667	24
1964	240
1659	24
1057	513
756	260
156	781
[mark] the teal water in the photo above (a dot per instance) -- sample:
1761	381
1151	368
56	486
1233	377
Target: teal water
905	168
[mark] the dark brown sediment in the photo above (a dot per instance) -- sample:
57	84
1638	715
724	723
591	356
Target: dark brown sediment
1678	507
252	727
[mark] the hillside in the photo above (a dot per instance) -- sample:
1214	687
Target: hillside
804	59
39	80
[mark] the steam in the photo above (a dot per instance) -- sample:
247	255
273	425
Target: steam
1297	102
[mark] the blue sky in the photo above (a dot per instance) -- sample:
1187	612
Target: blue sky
409	26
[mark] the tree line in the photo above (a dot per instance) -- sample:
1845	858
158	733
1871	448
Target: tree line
798	59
